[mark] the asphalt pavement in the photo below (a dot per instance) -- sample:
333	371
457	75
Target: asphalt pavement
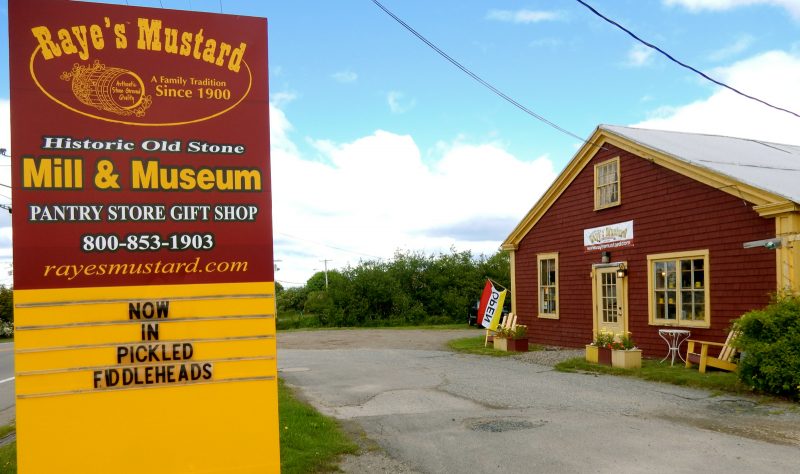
443	412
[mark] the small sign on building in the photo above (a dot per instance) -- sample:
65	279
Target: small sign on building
609	236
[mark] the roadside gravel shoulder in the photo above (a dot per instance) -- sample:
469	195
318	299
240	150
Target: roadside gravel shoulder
549	356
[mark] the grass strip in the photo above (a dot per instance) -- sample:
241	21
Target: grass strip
8	458
657	371
474	345
310	442
10	428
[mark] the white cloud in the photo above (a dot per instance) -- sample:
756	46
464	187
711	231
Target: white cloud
792	6
771	76
345	77
639	55
5	128
5	178
523	16
374	195
741	45
282	98
6	274
5	241
398	103
279	128
546	42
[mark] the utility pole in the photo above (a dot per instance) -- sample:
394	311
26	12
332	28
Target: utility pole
326	272
275	268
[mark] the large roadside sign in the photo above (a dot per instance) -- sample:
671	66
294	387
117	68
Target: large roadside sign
143	266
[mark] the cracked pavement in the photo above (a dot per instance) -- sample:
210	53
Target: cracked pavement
435	411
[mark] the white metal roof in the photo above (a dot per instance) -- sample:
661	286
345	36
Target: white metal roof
772	167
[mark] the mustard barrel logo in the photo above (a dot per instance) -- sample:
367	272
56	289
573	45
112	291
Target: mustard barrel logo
141	71
110	89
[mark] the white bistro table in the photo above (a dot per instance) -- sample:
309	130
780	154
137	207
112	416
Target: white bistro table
674	338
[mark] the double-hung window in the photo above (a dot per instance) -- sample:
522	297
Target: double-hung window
606	184
548	285
679	289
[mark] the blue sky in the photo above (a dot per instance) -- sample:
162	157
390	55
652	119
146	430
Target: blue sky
379	144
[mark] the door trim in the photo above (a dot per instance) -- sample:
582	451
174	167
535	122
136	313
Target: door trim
621	299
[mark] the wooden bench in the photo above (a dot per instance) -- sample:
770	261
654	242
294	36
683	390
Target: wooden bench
508	322
724	360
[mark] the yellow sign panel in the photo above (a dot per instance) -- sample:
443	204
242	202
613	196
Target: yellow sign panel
110	383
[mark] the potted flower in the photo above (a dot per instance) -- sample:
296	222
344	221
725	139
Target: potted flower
512	339
624	353
599	351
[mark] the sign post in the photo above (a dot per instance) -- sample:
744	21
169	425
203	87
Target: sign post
143	265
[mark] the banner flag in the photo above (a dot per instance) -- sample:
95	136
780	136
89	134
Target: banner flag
491	306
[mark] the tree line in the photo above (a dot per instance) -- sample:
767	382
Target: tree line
410	289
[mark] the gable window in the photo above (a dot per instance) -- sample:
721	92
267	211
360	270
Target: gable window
548	285
606	184
679	290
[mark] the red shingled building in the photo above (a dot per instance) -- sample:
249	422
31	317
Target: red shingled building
645	230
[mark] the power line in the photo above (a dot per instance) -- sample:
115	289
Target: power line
676	61
480	80
329	246
290	282
4	152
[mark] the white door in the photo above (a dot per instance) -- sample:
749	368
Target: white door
610	301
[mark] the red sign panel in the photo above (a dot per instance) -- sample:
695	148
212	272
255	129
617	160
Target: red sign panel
140	141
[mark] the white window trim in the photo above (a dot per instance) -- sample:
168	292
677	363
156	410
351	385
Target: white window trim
597	205
675	256
540	297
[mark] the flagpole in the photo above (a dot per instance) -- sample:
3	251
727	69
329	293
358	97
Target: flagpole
498	284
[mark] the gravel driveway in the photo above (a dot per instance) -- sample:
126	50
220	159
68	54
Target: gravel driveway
432	410
409	339
416	339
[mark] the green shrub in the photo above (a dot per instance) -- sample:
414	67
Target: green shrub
439	320
769	340
6	312
410	289
6	329
291	299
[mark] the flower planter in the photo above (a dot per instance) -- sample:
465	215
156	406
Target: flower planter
510	344
630	359
518	344
604	355
591	353
500	343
